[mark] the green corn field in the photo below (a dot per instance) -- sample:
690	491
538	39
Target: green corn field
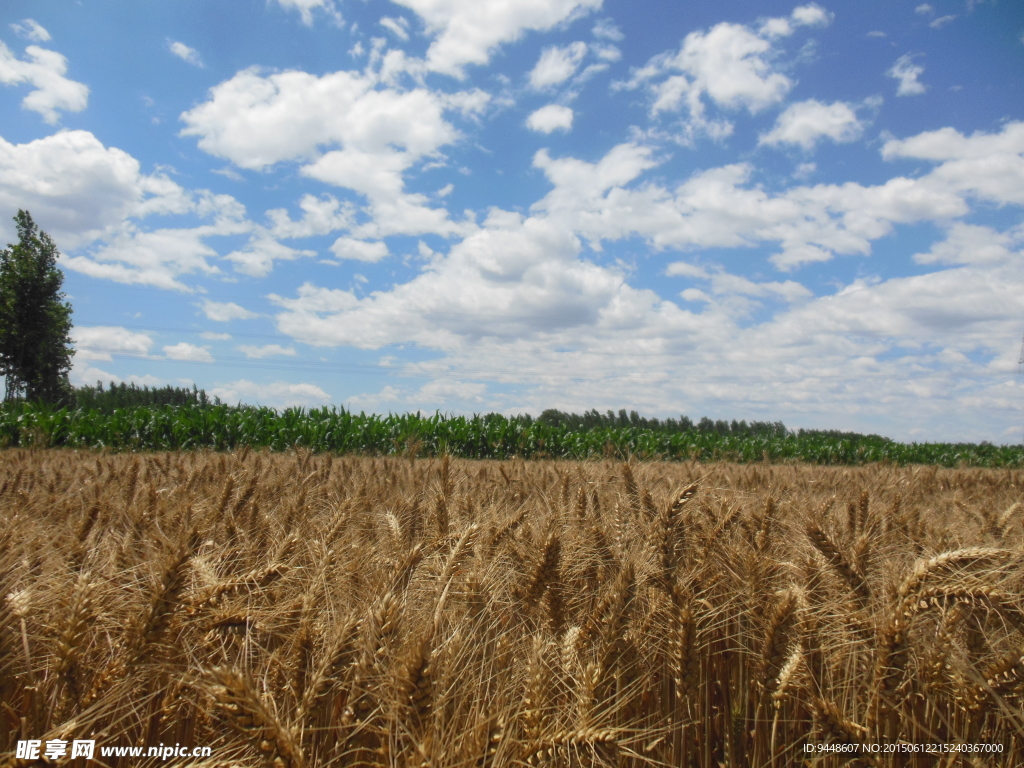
491	436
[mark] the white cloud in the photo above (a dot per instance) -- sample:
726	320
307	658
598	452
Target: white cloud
186	352
278	394
467	31
804	171
225	311
77	189
608	53
557	64
257	121
802	16
44	70
972	244
258	257
550	118
725	284
306	8
100	342
157	258
805	122
85	194
398	27
131	255
359	250
212	336
607	30
186	54
513	279
30	29
811	15
941	21
987	165
720	208
907	72
267	350
924	9
456	395
730	64
320	216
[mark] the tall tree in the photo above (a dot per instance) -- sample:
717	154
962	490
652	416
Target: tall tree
35	321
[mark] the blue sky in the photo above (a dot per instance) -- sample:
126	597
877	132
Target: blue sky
798	212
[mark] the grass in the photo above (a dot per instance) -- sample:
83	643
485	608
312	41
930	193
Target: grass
295	609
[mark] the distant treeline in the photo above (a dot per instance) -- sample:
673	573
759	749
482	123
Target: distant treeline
592	419
115	396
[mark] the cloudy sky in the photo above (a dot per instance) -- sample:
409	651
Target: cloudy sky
752	210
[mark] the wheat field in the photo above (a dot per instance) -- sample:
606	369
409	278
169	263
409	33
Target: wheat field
292	609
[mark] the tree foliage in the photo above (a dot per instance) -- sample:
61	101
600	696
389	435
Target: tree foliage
109	399
35	321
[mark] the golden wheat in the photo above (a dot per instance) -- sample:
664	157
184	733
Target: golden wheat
295	609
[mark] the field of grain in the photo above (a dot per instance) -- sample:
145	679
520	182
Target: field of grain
294	609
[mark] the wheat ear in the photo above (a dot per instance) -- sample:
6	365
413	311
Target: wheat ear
838	561
234	693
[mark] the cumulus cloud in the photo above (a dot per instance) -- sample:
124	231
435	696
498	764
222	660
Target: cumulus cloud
989	166
32	30
278	394
261	252
445	395
186	54
135	256
907	72
973	244
731	65
306	8
467	31
550	118
77	189
806	122
724	284
719	207
727	64
320	216
100	342
44	70
186	352
398	27
557	64
359	250
225	311
371	135
267	350
606	29
157	258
